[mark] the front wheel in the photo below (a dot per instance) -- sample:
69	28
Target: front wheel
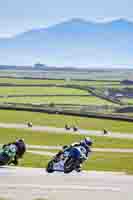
4	159
69	165
49	167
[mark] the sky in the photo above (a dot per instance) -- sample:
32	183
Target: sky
21	15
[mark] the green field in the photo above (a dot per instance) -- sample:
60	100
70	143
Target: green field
45	138
40	90
60	121
30	81
127	101
59	100
98	160
5	91
122	162
3	199
113	74
45	81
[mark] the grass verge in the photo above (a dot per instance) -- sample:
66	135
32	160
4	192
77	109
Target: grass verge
122	162
60	121
43	138
90	100
3	199
40	90
56	81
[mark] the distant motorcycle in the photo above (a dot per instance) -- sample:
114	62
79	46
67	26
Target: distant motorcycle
68	161
67	127
75	129
29	124
7	154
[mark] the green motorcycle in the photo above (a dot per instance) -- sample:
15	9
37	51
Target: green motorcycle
7	154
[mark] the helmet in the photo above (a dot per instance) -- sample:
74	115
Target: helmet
87	141
65	147
20	140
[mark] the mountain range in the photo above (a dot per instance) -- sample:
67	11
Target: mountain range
75	42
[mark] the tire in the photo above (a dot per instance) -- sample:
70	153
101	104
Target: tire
49	167
69	165
4	159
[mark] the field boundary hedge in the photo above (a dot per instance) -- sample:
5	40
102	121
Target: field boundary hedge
46	95
50	111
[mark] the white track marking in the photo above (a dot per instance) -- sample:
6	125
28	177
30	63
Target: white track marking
61	187
46	153
45	147
119	150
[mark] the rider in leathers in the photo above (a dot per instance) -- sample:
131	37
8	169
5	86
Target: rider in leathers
86	143
21	149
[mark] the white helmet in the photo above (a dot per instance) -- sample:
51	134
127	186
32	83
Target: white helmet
87	141
20	140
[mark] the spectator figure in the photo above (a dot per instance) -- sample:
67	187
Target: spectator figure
75	128
67	127
105	132
29	124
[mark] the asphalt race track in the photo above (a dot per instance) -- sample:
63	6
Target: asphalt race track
30	184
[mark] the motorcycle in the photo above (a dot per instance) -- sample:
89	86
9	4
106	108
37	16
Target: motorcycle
29	124
68	161
7	154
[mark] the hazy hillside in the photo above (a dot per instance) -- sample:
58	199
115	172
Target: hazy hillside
72	43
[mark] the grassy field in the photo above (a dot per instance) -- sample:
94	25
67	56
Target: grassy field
98	161
40	90
122	162
44	138
3	199
38	81
127	101
113	74
53	90
31	81
61	120
59	100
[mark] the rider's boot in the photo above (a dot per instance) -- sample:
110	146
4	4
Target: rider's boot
78	168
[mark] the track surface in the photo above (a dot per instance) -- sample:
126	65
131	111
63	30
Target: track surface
62	130
29	183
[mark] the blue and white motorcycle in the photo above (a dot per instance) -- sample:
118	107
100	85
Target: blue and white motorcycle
68	160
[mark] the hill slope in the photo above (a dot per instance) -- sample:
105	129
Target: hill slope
72	43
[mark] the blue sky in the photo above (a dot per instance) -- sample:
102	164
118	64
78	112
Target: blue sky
21	15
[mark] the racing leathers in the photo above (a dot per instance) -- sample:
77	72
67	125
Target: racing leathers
84	149
20	150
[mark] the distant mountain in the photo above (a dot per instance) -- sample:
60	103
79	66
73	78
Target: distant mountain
72	43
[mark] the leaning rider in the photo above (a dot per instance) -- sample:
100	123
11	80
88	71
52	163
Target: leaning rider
21	149
86	143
